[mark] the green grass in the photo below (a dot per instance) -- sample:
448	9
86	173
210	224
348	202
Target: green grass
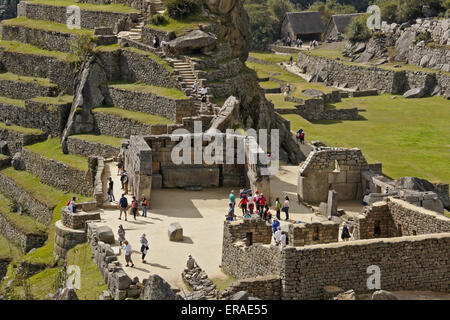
54	100
14	102
113	7
51	149
181	26
52	198
8	250
92	283
271	57
411	137
141	117
45	25
103	139
24	223
19	129
222	284
269	85
152	56
146	88
19	47
44	82
279	103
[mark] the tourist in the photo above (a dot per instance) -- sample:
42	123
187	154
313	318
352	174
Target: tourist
243	204
277	236
267	214
119	164
232	198
283	240
164	46
288	42
144	247
195	87
121	233
134	207
243	193
302	137
111	190
256	199
291	60
124	180
275	225
345	236
286	207
230	216
155	42
144	206
278	208
123	205
72	206
204	99
299	43
251	204
128	252
262	202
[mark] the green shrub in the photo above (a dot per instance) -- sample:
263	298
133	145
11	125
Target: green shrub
179	9
357	31
159	19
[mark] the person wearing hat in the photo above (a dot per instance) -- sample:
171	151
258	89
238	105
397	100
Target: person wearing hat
144	247
232	198
275	225
121	234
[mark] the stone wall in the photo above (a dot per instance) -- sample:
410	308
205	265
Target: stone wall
173	109
77	220
40	66
77	145
37	209
25	90
313	233
25	241
58	174
148	34
265	288
16	140
327	169
48	40
112	125
89	19
8	10
66	239
415	263
4	263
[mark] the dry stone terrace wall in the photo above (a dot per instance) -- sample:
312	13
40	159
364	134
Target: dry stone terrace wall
38	210
395	82
58	71
174	109
25	90
17	140
89	19
265	288
77	145
148	34
47	117
25	241
48	40
58	174
414	263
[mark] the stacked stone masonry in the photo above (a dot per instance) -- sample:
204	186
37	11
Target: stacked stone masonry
85	148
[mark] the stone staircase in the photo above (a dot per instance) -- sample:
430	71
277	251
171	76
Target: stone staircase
135	33
157	6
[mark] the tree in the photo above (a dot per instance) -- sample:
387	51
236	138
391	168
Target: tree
357	30
329	8
264	26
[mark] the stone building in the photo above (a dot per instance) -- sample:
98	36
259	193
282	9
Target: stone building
306	25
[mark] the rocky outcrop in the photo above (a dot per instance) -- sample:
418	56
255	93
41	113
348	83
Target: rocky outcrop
196	40
8	9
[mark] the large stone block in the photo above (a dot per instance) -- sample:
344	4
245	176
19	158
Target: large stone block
346	191
105	234
190	177
175	232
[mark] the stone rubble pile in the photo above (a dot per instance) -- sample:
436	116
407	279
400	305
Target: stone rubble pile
199	281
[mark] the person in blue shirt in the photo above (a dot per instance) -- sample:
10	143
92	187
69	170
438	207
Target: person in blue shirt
241	194
275	225
232	198
230	215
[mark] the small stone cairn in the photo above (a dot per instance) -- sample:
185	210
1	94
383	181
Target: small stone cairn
198	280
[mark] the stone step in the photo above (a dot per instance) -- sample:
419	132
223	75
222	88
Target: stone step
24	87
137	30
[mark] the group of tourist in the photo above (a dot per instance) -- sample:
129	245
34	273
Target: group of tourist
255	205
124	206
289	42
203	94
125	244
279	236
301	136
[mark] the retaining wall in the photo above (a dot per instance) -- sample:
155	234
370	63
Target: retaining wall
86	148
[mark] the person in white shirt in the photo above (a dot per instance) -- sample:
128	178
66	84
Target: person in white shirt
203	93
72	205
283	240
195	87
277	236
286	207
128	252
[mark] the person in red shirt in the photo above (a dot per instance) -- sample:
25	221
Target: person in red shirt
243	203
262	202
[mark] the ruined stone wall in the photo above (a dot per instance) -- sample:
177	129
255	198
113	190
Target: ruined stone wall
265	288
148	34
415	263
111	125
58	174
377	214
78	220
58	71
89	19
25	241
25	90
319	174
435	58
17	140
173	109
313	233
222	70
8	10
76	145
37	209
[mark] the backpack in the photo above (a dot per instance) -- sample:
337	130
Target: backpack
124	202
68	202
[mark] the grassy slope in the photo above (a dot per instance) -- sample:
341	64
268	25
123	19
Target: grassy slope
24	223
145	118
14	102
146	88
52	149
8	249
181	26
45	25
104	139
19	129
114	7
14	46
409	136
54	100
15	77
